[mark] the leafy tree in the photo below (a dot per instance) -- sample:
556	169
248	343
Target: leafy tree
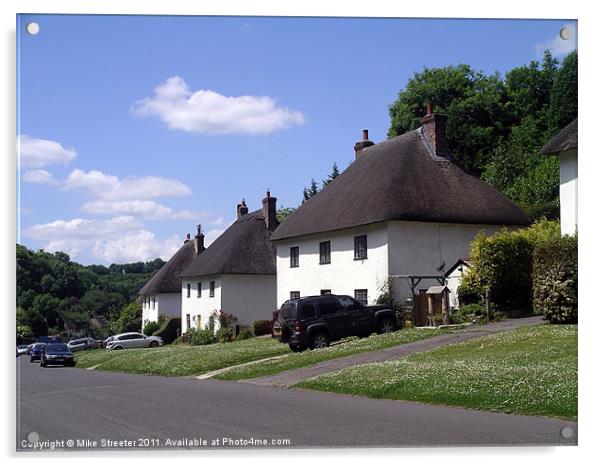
38	325
130	318
563	96
472	101
284	212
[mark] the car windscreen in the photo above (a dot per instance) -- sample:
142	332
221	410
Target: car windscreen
57	348
39	346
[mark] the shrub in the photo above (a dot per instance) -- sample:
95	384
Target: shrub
555	280
200	337
465	313
245	333
468	293
504	263
224	335
260	327
151	327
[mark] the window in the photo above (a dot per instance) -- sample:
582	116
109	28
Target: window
325	252
295	256
361	247
349	303
295	294
211	289
154	301
328	305
188	290
325	292
187	321
198	289
362	296
307	310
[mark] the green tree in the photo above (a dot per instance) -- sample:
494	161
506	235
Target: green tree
284	212
130	318
472	101
333	174
313	189
563	96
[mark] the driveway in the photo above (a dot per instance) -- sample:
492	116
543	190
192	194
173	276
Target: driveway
293	376
91	407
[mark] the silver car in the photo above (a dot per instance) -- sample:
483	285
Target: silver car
133	340
82	344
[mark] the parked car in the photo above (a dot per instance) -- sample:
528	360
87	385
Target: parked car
57	354
22	349
82	344
133	340
316	321
35	353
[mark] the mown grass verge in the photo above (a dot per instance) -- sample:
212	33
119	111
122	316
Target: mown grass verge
530	370
180	360
345	348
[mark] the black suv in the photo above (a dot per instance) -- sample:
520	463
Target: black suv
315	321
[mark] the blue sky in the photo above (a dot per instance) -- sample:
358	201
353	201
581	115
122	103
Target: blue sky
135	128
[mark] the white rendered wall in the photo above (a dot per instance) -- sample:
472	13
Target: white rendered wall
453	281
249	297
203	306
419	248
344	274
165	303
568	192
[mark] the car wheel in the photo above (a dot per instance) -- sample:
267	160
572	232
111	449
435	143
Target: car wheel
296	348
319	340
118	347
153	344
386	325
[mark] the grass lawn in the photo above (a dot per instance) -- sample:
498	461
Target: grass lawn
178	360
530	370
307	358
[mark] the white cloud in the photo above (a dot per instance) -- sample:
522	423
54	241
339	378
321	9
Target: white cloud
119	239
557	45
110	187
142	209
39	177
36	153
206	111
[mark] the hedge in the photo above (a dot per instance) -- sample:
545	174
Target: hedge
555	280
503	262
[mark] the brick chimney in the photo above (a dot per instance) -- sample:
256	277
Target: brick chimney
365	142
187	238
433	127
241	209
269	211
199	240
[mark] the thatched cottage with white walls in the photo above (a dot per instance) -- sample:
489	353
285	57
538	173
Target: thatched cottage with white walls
236	274
161	294
564	145
403	207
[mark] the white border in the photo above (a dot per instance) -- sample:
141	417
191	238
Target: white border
589	104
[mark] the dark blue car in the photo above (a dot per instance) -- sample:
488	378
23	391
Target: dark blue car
57	354
35	353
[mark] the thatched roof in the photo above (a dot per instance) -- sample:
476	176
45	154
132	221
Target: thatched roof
565	139
401	179
244	248
166	279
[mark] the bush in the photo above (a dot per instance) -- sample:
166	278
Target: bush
260	327
224	335
504	263
151	327
465	313
245	333
199	337
555	280
468	294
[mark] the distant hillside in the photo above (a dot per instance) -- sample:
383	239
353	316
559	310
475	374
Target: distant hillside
55	294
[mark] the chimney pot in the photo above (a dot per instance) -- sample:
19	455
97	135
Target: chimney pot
433	129
365	142
429	108
269	212
199	240
187	238
242	209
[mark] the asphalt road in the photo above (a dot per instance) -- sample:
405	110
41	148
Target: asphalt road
69	404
